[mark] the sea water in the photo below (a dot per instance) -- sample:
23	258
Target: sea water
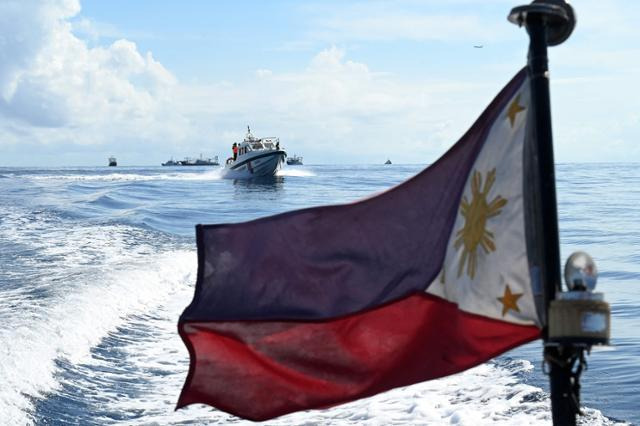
96	265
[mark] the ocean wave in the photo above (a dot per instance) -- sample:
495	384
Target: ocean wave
102	347
295	172
97	265
95	277
128	177
111	203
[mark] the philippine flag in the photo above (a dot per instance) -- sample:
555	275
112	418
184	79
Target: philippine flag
321	306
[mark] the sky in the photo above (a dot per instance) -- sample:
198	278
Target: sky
339	82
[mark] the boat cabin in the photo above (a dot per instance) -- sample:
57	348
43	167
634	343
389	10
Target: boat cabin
251	143
254	157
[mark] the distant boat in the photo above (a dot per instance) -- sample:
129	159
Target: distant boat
388	161
171	163
112	161
294	161
255	157
194	162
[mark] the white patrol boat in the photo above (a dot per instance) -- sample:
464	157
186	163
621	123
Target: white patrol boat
256	157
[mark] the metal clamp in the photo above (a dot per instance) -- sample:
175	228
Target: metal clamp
558	15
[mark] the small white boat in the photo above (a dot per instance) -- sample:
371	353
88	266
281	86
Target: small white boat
256	157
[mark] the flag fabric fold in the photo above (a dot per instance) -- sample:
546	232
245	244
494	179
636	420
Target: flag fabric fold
320	306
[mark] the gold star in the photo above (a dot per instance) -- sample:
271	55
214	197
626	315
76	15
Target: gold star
509	301
476	213
514	109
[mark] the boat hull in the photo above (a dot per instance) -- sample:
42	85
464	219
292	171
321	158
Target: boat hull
258	164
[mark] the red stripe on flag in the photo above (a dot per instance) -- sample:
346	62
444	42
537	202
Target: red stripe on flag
263	369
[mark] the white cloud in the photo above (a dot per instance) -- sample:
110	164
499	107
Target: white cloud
399	26
338	110
403	20
69	95
23	34
61	96
263	73
57	89
94	30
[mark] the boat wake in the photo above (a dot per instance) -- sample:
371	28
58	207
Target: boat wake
295	172
69	288
214	174
95	275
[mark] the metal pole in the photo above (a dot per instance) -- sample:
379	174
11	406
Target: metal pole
559	377
548	23
541	105
562	406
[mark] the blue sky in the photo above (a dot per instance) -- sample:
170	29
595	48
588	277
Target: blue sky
209	41
337	81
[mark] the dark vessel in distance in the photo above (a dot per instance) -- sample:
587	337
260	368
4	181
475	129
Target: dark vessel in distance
112	161
194	162
294	161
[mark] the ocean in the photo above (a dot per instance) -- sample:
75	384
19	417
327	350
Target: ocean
97	263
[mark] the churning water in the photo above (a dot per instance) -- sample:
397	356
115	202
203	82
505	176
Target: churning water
96	264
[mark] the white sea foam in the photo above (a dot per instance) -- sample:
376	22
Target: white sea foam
188	175
84	303
295	172
111	281
213	174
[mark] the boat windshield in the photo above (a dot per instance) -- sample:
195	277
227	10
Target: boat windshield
256	145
